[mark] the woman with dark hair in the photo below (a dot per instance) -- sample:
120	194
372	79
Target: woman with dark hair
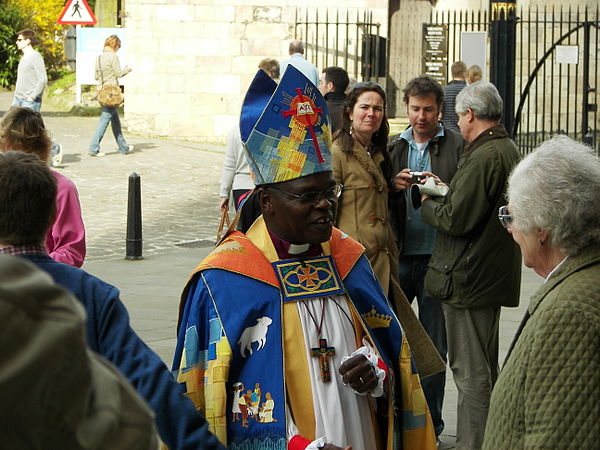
362	164
108	72
23	130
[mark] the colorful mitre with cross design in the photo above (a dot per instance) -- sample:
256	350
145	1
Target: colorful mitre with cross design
285	128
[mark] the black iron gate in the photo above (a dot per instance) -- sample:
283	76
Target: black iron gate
558	80
347	38
557	71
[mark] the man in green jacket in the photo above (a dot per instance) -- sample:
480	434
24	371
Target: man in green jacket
475	267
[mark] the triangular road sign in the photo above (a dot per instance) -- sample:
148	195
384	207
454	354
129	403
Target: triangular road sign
77	12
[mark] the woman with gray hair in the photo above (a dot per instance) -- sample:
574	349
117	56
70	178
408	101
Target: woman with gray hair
547	394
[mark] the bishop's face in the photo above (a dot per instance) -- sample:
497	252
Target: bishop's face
301	220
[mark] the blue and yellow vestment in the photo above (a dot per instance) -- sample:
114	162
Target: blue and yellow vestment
228	352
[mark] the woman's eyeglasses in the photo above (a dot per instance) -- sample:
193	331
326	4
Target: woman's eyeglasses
505	217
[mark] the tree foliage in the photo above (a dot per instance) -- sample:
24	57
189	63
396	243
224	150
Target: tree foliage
10	22
40	16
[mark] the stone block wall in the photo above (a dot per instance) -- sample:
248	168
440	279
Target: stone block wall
193	60
405	54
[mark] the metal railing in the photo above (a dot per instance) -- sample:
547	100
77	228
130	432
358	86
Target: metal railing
348	38
553	95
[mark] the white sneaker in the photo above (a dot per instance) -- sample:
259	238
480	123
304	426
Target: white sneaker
129	150
56	159
441	445
99	154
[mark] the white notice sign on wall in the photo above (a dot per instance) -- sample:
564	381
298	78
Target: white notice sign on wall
567	54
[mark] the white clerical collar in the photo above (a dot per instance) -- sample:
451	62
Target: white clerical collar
296	249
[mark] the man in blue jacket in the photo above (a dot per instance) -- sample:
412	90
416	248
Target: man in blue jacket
27	208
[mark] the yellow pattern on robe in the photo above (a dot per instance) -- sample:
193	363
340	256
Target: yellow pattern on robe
215	389
414	404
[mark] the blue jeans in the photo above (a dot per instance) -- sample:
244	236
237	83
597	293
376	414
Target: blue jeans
412	280
108	115
36	105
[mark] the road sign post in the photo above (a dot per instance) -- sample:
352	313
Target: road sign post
77	12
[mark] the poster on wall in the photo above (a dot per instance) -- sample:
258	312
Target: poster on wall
567	54
90	44
473	50
435	51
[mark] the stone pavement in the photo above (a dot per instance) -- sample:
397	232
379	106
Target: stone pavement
180	217
179	187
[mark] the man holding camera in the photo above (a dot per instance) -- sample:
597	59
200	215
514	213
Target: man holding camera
426	146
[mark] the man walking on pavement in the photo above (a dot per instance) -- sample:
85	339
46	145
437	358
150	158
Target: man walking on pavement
298	60
476	266
333	84
31	82
451	90
31	73
425	146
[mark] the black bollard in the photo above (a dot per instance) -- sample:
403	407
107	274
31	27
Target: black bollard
133	241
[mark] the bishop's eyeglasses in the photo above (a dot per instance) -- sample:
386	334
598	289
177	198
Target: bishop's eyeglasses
313	198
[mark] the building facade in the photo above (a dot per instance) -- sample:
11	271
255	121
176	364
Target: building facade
193	59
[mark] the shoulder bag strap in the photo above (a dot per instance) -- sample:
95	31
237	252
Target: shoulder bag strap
101	73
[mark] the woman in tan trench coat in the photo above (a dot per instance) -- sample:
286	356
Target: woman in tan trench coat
361	163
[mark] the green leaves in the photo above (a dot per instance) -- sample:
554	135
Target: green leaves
10	23
40	16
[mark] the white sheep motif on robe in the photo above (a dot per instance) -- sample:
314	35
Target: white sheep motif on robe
256	333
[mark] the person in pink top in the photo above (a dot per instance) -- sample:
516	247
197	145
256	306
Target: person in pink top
23	130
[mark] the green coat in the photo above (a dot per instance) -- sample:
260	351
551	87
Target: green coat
475	262
548	393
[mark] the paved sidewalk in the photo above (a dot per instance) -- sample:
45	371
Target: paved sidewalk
179	185
180	217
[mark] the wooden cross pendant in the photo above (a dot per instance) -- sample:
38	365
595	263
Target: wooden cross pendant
324	353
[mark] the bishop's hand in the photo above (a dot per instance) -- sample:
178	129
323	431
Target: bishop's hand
358	373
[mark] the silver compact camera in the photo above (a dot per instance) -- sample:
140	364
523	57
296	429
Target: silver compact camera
416	177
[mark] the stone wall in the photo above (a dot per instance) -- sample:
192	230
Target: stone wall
405	55
406	18
193	60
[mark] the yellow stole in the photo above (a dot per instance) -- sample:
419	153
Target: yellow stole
299	392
